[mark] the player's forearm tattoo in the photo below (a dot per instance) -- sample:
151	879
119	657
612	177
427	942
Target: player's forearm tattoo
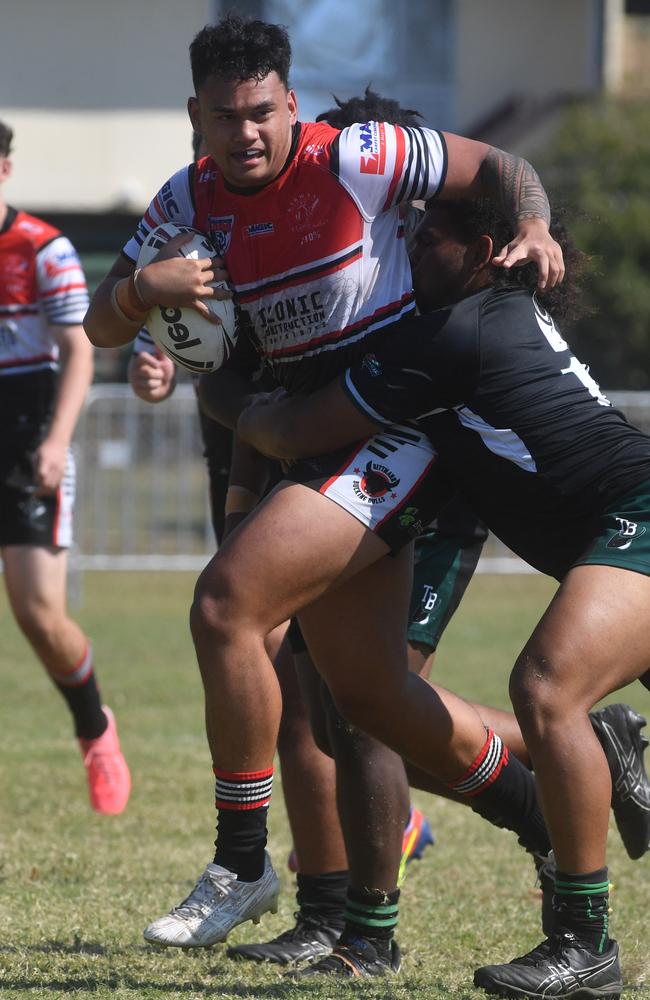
515	186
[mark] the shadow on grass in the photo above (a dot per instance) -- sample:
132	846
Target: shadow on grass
90	984
113	980
58	948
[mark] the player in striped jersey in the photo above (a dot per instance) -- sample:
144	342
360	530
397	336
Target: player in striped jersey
45	370
308	222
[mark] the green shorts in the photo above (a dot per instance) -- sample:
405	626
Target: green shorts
622	536
444	565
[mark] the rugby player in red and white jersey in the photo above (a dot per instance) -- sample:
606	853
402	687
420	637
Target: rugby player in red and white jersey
46	368
307	220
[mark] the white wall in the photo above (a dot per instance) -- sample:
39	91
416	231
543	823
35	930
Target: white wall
510	48
95	92
96	89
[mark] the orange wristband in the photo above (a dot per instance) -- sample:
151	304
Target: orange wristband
125	302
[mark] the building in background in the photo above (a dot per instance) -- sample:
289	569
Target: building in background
96	91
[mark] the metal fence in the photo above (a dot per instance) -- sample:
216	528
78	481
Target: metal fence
142	488
142	494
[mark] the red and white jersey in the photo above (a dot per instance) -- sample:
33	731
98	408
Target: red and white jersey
42	285
317	258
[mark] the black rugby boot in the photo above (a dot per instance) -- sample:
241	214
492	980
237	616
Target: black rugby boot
309	939
618	728
562	966
357	958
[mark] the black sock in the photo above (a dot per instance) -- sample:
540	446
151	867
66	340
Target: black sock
240	843
581	906
322	897
242	801
371	913
85	703
503	791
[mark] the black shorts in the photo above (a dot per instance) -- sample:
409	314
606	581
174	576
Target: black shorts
390	482
30	518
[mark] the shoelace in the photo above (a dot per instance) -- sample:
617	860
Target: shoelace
199	901
552	946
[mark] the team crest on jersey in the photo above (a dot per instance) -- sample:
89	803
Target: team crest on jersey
304	212
372	139
376	483
627	532
220	230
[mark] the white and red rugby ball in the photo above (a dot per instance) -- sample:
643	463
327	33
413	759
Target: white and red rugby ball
182	333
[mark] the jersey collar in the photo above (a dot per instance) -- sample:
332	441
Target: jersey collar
10	218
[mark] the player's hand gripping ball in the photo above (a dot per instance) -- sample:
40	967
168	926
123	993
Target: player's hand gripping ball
182	333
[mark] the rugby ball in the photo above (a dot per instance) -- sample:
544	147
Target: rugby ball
182	333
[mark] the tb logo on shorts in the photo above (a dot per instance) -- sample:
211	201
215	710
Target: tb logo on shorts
429	598
627	532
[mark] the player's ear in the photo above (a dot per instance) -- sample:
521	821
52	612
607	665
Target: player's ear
193	112
482	251
292	104
6	167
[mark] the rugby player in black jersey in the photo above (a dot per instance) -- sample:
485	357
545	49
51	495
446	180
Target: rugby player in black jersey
564	480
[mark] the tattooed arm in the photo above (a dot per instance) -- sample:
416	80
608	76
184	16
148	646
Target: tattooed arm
476	170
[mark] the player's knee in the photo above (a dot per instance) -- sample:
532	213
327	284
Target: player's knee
356	708
346	737
39	623
535	695
214	615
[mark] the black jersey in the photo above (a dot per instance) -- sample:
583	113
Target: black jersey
519	423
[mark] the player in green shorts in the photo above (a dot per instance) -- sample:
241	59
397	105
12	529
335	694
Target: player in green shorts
563	479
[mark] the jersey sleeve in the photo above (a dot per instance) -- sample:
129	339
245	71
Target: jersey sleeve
382	165
143	342
173	203
61	283
424	365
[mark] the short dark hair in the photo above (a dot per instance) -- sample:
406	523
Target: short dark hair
6	138
237	48
372	107
482	217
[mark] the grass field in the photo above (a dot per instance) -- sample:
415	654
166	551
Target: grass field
77	889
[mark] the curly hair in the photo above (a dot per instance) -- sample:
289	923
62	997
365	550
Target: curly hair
482	217
6	138
372	107
238	48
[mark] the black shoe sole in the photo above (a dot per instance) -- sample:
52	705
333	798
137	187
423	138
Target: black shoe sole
612	992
